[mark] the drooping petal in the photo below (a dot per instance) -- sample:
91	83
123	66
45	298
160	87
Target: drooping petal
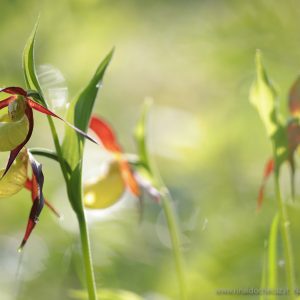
105	134
128	177
294	98
38	202
5	102
14	180
32	186
14	90
269	169
48	112
148	188
15	152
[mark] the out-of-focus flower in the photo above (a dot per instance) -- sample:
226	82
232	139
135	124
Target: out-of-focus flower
292	137
17	178
17	125
106	190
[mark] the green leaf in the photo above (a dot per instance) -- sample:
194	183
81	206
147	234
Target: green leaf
140	136
272	255
263	283
79	114
263	97
31	79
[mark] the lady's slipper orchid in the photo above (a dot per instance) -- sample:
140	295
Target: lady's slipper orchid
16	127
17	178
106	190
292	132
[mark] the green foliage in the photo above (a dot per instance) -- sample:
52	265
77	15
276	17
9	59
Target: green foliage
29	66
263	97
141	136
272	255
79	114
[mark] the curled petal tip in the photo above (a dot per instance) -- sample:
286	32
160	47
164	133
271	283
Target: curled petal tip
20	249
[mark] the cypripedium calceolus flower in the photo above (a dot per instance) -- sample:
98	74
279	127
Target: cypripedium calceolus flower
291	136
16	127
104	191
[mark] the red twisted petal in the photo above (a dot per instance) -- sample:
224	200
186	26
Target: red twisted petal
268	170
48	112
34	190
14	91
105	134
38	201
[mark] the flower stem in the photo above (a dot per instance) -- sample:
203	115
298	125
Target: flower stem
173	230
285	232
58	149
87	258
85	242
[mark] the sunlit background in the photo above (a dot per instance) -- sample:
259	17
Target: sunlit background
195	59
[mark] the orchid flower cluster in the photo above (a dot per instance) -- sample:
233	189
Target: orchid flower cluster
139	176
284	136
287	137
16	128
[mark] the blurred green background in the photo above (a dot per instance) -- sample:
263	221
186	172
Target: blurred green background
196	60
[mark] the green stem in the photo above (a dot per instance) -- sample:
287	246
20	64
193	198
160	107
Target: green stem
87	257
49	154
58	149
173	229
85	243
285	232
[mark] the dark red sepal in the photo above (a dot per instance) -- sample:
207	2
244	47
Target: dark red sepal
5	102
48	112
31	186
14	90
38	202
269	169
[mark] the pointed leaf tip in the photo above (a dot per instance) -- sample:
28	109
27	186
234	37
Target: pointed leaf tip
263	98
79	114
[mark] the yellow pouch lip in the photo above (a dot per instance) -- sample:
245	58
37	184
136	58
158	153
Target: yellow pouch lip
12	133
16	177
105	190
